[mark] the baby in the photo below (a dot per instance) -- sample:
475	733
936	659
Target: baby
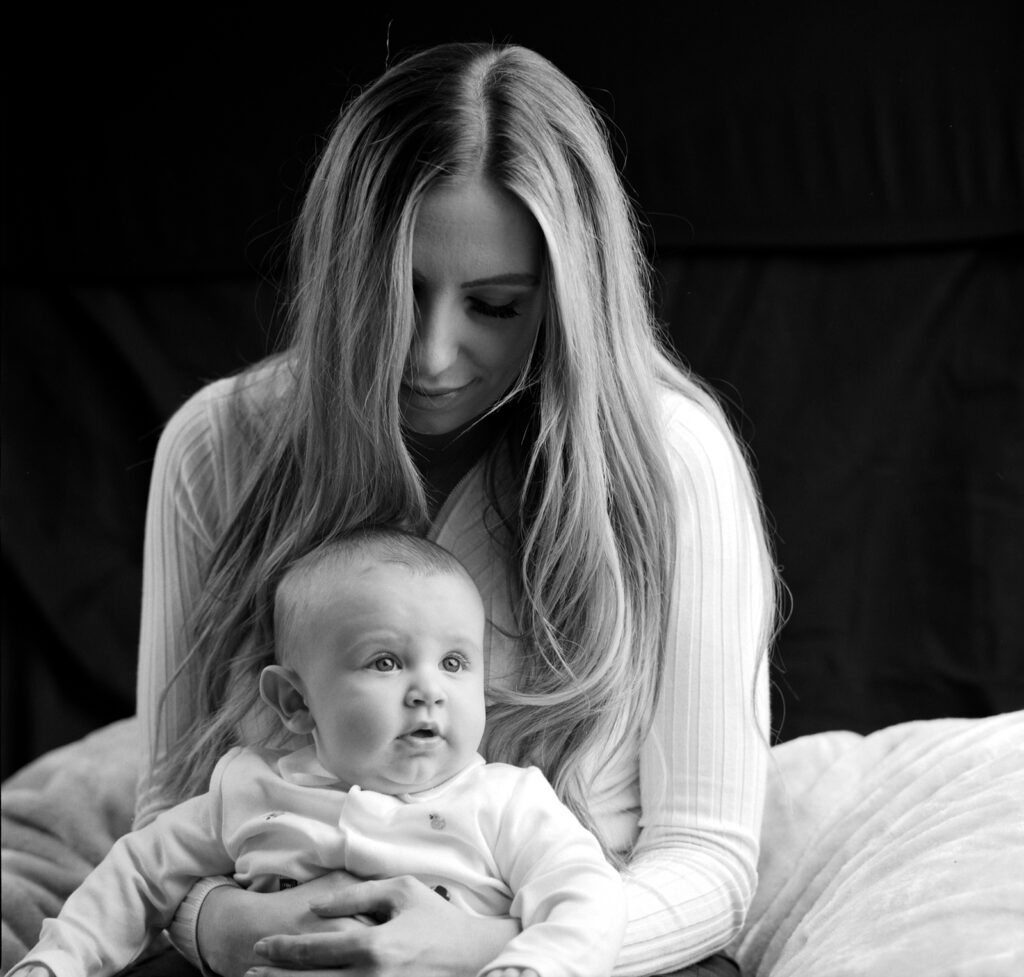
379	646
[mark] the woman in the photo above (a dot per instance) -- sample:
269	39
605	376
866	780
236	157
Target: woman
474	357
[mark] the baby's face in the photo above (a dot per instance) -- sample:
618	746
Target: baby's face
393	671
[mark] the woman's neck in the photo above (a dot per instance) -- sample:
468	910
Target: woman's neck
443	459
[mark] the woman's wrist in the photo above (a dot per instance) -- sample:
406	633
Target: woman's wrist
183	931
220	937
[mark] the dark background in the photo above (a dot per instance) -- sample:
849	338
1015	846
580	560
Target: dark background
834	196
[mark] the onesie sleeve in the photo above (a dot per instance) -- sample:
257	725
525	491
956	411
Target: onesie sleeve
692	872
133	893
569	899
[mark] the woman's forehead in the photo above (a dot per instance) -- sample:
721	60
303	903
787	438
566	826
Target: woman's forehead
474	232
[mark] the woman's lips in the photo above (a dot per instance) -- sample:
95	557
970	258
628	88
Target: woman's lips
432	397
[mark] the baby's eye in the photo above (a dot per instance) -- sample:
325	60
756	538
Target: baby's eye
384	663
453	663
508	311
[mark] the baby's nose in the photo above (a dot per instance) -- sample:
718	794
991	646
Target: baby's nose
425	690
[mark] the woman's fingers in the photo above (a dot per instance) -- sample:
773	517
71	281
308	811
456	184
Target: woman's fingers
423	933
324	890
355	952
281	972
378	900
350	946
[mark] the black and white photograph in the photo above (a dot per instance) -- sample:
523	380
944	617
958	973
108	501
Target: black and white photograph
513	492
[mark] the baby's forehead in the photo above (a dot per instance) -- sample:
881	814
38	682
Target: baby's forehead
323	587
345	564
352	572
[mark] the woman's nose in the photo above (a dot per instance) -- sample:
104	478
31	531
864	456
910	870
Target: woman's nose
435	346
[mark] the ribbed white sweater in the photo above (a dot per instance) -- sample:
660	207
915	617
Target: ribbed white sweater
686	804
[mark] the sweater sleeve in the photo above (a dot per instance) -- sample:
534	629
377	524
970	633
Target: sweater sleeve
692	872
186	498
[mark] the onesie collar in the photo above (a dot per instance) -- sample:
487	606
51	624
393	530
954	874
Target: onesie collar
303	768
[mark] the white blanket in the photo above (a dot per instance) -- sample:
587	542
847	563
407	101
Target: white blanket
899	854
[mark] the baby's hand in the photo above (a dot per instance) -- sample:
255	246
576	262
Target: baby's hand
511	972
33	970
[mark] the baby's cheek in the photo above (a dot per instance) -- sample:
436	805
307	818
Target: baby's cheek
364	727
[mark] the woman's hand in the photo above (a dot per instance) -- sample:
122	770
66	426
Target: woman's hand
423	934
232	920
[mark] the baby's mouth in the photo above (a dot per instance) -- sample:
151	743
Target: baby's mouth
426	733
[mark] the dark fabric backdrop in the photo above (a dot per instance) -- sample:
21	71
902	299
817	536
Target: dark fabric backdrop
834	196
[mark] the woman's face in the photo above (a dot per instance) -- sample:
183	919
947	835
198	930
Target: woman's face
477	256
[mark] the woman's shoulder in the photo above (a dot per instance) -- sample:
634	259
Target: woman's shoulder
250	392
224	409
208	447
709	464
693	421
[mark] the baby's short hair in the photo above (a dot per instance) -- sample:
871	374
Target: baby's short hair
385	544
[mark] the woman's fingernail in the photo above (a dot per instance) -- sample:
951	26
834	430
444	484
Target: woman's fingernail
261	949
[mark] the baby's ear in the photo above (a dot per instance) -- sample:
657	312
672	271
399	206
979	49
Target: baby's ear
281	689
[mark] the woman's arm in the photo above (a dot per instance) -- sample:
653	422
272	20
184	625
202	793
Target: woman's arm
702	770
187	497
232	920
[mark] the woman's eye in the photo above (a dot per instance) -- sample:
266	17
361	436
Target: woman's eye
386	663
453	663
508	311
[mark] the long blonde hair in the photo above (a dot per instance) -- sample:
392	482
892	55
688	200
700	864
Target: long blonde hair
593	525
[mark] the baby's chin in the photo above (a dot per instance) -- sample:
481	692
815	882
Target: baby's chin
398	773
417	786
414	781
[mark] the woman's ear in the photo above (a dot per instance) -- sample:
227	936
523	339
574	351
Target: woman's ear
281	689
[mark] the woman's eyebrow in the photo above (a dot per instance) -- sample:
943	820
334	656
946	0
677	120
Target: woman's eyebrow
510	278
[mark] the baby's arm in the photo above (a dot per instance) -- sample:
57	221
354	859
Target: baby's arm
131	895
570	900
